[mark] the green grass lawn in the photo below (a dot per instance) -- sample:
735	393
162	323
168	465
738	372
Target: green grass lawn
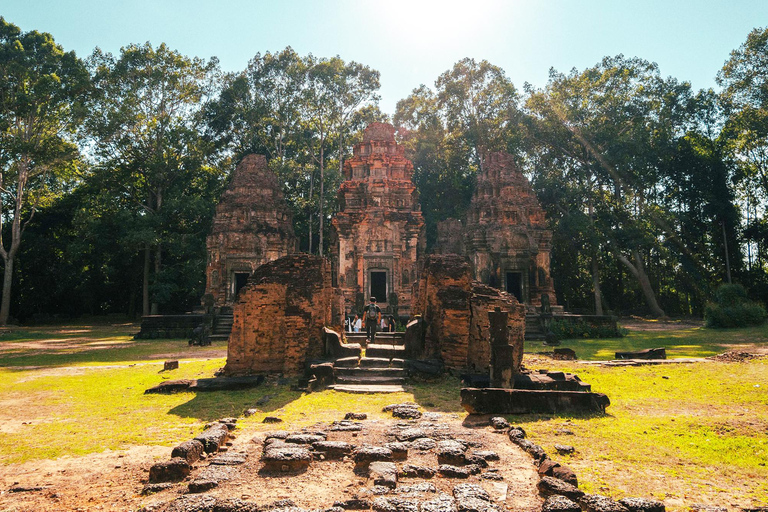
677	432
684	342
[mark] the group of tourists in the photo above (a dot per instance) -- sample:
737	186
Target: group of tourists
374	321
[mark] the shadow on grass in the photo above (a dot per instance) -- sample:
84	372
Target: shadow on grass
438	395
212	405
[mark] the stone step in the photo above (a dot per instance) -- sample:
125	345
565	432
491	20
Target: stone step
365	388
368	380
346	362
381	362
388	351
370	372
219	337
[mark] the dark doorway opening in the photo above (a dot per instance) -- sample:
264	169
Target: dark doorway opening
515	285
240	279
379	286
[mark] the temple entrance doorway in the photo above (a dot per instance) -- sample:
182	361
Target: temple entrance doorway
514	285
379	285
240	279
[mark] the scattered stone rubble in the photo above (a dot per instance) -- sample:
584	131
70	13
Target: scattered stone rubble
463	471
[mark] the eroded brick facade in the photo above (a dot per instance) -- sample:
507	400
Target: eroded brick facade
505	234
280	314
455	311
252	226
379	230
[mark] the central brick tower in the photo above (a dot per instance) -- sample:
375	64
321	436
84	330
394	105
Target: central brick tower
378	233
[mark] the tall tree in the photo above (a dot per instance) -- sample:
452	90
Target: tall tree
42	92
146	134
617	122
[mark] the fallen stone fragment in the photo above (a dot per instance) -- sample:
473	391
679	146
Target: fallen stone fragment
383	473
149	488
697	507
554	469
214	437
559	504
228	459
534	450
410	434
516	433
170	386
499	423
236	505
174	470
356	416
277	434
346	426
549	486
645	505
423	444
450	471
599	503
333	449
411	471
486	455
394	505
399	450
353	504
564	432
409	413
192	503
271	419
189	450
564	449
451	452
170	365
286	458
304	438
366	454
416	489
491	475
250	412
442	503
197	485
392	407
476	461
473	498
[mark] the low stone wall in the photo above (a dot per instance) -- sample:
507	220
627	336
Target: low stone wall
280	314
168	326
455	312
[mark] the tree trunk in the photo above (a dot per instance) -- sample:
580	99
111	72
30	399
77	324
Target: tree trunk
145	281
322	190
638	270
5	305
596	285
311	194
155	309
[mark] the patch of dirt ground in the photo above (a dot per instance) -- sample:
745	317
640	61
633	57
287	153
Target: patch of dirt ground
114	480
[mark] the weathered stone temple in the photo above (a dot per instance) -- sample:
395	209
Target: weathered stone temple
379	231
252	226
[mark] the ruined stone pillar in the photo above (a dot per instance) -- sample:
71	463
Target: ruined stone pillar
502	359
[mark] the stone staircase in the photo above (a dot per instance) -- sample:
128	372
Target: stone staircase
380	370
222	326
533	331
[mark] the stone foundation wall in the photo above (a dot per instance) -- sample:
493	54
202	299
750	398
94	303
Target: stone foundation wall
455	312
280	314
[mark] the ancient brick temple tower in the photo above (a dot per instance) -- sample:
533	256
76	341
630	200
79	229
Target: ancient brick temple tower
252	226
379	230
506	234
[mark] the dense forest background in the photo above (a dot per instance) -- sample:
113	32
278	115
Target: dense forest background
111	167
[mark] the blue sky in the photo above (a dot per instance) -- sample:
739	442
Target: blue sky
412	41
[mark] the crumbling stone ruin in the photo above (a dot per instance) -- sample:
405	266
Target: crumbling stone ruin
427	463
505	235
280	314
379	230
252	226
455	309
